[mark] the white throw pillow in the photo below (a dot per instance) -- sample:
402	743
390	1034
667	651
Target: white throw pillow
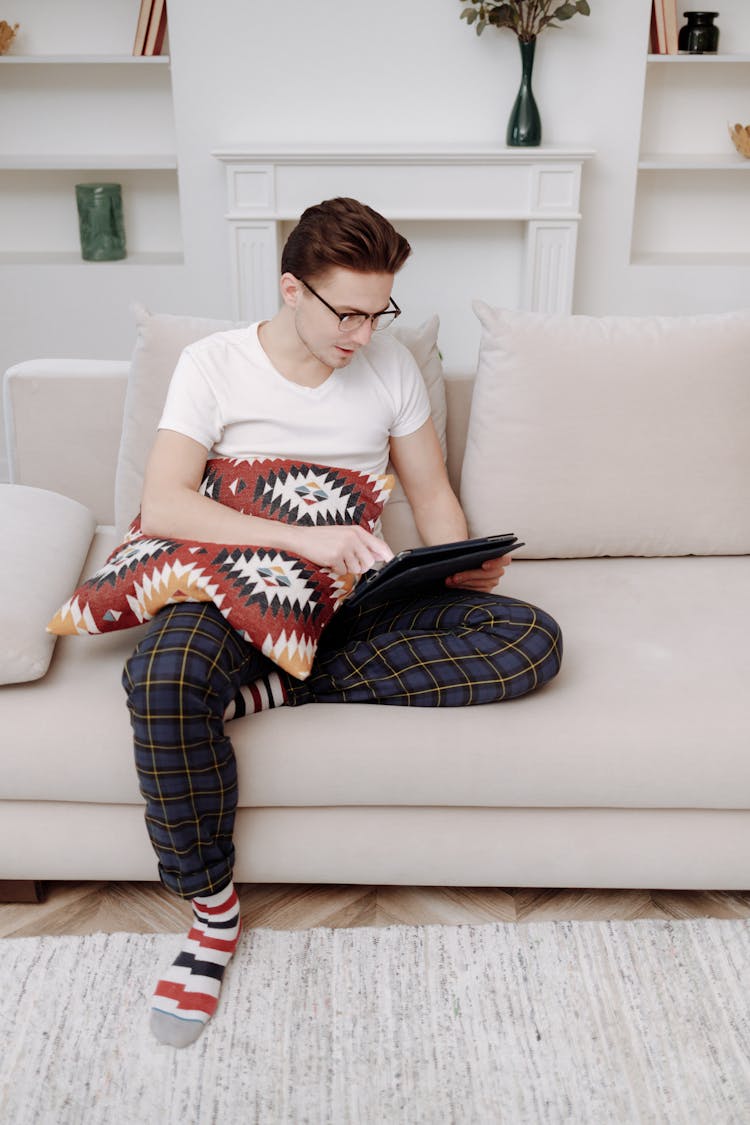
46	538
611	436
159	341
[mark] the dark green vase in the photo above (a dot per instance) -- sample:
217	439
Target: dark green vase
525	124
100	221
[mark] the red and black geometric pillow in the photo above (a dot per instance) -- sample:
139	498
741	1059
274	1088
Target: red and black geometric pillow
277	601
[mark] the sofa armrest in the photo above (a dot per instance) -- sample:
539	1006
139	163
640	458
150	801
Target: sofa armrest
63	420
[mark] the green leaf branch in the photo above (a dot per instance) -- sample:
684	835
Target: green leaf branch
525	18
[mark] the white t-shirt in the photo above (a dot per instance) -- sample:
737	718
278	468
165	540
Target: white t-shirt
226	394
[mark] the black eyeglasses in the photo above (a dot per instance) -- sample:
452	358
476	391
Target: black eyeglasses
350	322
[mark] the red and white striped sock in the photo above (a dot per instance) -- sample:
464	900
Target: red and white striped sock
267	692
187	995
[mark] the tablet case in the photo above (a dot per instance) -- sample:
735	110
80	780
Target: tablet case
422	568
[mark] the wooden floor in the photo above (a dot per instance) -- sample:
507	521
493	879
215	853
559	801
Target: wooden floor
86	908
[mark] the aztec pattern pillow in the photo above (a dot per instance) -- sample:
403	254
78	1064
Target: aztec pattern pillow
277	601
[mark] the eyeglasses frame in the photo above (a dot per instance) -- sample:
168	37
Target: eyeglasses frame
341	317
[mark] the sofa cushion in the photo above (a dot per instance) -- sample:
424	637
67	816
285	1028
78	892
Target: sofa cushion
276	600
648	712
611	436
160	338
46	538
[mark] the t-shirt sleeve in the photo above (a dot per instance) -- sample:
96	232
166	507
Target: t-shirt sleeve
191	407
414	401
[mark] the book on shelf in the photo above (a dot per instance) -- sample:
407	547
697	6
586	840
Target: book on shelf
664	29
142	27
157	28
653	38
671	29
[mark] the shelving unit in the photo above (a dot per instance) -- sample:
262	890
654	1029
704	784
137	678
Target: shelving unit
691	191
82	60
99	113
700	60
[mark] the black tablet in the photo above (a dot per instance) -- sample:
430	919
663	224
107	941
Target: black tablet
420	568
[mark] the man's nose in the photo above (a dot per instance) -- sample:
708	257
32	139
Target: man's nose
362	334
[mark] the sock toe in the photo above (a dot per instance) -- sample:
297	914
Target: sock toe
174	1031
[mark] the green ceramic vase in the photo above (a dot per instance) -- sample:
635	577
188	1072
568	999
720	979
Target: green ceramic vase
525	124
100	221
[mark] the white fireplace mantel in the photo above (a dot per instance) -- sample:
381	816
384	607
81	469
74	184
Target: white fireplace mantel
538	187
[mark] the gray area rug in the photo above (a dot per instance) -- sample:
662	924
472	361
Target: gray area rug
579	1022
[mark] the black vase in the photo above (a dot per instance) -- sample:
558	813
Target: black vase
699	36
525	124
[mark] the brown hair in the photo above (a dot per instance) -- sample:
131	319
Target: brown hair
342	232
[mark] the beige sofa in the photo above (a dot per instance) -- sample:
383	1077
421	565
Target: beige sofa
618	449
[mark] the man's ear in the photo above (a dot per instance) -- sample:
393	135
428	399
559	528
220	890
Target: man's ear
291	289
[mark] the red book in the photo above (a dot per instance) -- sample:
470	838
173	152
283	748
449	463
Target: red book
157	28
142	27
657	14
653	41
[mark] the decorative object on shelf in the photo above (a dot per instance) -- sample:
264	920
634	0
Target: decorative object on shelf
7	35
100	221
740	135
526	19
699	36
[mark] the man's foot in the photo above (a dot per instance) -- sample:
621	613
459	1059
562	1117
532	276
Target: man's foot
186	997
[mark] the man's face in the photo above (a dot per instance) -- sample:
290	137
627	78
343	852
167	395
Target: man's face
346	291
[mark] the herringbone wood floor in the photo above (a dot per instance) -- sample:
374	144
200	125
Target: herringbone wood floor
84	908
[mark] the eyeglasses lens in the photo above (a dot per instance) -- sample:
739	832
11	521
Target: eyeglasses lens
356	320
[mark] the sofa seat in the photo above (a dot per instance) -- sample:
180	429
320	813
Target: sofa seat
629	642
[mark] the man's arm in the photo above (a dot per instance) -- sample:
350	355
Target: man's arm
418	460
172	507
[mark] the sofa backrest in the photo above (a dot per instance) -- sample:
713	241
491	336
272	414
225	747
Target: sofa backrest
585	436
72	446
63	420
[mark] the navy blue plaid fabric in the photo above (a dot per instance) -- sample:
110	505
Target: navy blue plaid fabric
179	681
452	649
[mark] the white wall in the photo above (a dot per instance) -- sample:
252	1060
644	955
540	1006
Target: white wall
395	70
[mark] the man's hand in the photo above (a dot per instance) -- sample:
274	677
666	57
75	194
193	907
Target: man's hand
347	549
484	579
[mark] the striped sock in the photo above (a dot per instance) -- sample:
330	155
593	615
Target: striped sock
269	691
187	996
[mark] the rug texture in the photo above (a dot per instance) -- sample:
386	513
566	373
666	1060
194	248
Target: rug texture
579	1022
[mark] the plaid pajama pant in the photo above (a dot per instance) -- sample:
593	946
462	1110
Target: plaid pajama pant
452	649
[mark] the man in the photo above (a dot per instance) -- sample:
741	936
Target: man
317	382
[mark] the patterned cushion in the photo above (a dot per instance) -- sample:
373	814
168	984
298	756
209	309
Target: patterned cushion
277	601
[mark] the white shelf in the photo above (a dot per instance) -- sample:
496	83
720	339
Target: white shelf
694	162
72	258
85	60
681	259
701	59
40	162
